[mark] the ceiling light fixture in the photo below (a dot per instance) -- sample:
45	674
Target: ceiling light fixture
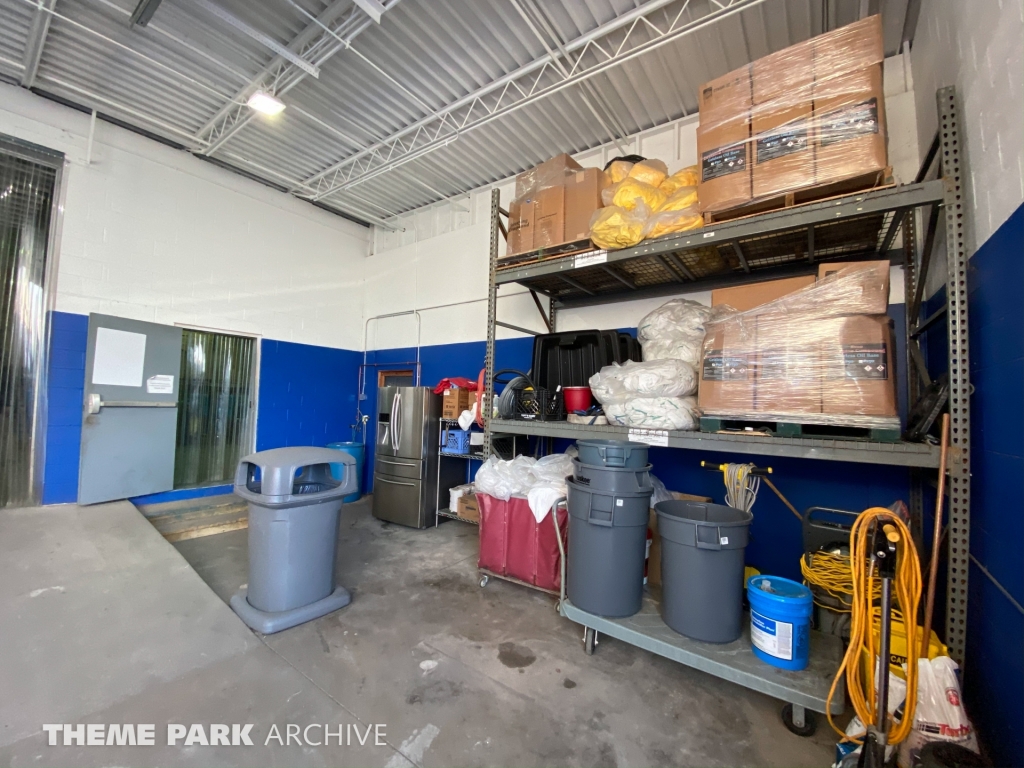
266	103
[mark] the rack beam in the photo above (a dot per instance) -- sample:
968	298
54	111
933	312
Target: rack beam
855	451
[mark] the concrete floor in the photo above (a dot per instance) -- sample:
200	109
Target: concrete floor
458	674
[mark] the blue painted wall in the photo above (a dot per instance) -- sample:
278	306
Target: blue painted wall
65	391
994	673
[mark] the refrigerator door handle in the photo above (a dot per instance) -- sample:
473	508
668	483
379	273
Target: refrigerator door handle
396	435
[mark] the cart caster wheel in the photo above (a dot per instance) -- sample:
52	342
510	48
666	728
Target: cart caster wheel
810	724
483	581
558	607
589	641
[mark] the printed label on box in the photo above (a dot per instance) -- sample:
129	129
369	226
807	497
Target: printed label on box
161	384
864	361
773	637
723	161
849	122
786	364
791	138
725	367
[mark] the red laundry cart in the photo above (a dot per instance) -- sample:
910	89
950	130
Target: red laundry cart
515	547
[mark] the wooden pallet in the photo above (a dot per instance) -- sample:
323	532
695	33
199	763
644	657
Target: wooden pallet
814	194
543	254
798	429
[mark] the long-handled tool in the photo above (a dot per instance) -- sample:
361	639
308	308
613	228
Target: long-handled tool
933	570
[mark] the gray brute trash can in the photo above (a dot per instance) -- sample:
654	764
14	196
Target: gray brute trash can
294	505
607	549
702	550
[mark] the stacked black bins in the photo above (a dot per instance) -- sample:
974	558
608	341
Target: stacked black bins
609	502
702	552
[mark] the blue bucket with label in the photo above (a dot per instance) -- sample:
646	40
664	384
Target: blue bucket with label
780	621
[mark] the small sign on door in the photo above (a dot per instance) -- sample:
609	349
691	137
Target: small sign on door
161	384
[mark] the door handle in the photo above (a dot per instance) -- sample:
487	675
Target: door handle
394	482
384	460
95	402
396	433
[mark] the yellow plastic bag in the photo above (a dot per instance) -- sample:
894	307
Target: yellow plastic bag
616	227
630	191
617	170
685	197
667	222
687	177
651	172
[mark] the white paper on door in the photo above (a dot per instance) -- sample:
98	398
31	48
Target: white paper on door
119	358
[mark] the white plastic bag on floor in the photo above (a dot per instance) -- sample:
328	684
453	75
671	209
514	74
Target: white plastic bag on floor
655	378
654	413
940	714
503	479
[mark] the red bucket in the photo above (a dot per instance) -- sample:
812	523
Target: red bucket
577	398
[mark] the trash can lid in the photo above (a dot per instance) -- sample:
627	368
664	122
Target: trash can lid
778	588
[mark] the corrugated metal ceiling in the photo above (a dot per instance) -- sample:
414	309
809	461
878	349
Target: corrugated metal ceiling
173	77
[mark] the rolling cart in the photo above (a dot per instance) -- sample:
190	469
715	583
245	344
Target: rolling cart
804	692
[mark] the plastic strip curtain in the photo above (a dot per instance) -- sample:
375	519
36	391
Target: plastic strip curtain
215	407
26	204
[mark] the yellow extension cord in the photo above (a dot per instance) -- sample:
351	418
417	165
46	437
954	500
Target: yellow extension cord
906	594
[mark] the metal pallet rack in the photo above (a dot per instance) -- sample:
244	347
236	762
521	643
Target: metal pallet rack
786	243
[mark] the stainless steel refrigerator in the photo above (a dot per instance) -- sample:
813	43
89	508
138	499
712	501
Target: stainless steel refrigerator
405	472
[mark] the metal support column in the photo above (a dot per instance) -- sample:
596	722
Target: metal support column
492	308
911	275
959	376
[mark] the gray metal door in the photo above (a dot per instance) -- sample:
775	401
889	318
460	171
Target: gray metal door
130	413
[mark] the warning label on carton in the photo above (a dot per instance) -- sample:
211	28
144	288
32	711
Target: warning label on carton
849	122
790	138
723	161
725	366
865	361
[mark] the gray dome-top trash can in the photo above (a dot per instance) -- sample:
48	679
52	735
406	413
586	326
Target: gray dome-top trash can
294	505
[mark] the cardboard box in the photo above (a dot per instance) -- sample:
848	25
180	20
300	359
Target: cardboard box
723	141
746	297
787	368
849	131
783	79
858	356
782	149
455	401
582	198
724	98
871	295
468	507
520	227
549	173
724	153
847	49
654	557
726	372
549	217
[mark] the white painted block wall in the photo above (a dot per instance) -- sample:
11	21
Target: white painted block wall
153	233
979	48
451	267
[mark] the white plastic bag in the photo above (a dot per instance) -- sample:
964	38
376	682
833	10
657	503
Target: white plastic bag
654	413
678	318
686	349
503	479
940	714
552	469
654	378
661	493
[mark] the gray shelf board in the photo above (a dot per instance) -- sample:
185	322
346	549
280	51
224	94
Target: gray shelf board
446	512
733	661
644	266
855	451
